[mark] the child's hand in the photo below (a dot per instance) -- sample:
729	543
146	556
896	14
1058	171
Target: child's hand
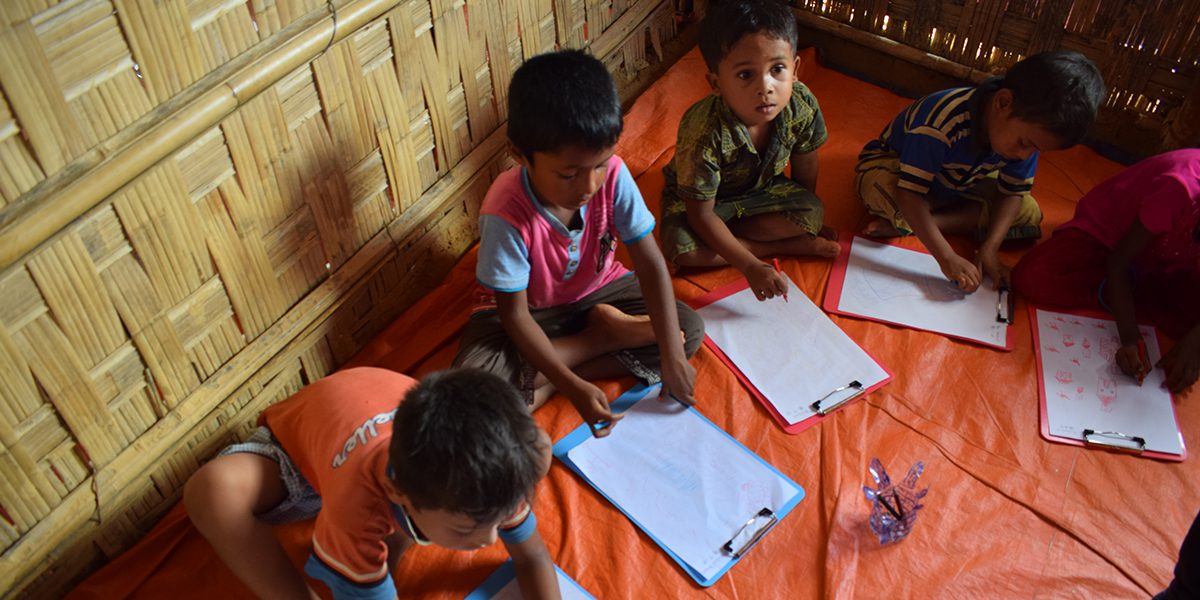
1132	362
1182	363
988	263
592	405
960	271
679	381
765	281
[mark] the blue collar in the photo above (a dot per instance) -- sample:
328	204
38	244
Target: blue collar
409	528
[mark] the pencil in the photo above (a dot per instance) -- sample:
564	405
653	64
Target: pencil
889	508
1141	376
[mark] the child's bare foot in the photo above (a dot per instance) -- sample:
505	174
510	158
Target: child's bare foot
619	330
818	246
880	228
828	233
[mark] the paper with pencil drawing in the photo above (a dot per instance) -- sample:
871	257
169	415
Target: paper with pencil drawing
681	479
789	351
1083	387
906	287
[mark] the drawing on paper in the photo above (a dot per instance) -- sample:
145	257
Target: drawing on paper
1083	388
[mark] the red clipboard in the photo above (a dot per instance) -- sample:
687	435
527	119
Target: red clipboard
734	287
837	279
1041	381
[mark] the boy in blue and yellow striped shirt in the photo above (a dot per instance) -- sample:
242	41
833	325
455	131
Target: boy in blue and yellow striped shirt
961	161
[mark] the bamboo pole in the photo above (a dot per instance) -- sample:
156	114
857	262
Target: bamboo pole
26	225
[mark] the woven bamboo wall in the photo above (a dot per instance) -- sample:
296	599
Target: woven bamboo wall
1147	50
206	204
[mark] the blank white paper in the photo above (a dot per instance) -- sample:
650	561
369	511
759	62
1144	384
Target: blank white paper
790	351
1085	389
907	287
566	586
688	484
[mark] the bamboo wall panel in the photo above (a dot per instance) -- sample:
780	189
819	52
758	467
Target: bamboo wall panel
1147	50
242	194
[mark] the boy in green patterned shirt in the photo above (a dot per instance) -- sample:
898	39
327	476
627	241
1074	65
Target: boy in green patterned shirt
725	199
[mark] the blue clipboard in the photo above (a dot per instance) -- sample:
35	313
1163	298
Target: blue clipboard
503	575
622	403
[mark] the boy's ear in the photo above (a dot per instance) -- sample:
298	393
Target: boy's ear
711	78
797	63
1002	101
517	155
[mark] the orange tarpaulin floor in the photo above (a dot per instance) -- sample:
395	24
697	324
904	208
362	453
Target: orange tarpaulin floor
1008	514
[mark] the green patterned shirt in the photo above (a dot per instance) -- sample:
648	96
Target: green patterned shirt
715	159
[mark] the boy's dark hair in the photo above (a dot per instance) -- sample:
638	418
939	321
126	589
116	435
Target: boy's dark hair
730	20
1059	90
464	442
561	99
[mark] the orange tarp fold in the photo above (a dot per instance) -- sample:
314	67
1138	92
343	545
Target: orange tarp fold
1008	515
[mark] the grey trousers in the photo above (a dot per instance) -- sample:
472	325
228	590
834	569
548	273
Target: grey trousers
485	344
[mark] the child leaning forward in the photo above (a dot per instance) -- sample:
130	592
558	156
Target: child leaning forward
961	161
1132	248
384	464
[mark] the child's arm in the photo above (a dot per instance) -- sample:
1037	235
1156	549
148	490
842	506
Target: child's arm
531	341
534	569
762	277
678	376
956	268
804	170
1003	213
1182	363
1118	293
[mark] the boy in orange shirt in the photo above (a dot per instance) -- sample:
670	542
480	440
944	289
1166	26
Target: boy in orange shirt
455	465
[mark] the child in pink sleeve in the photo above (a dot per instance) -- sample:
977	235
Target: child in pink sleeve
1133	248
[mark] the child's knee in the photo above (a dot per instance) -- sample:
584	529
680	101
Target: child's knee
210	495
1030	214
230	488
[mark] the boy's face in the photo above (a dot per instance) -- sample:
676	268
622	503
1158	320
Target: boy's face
755	78
1012	137
567	178
457	531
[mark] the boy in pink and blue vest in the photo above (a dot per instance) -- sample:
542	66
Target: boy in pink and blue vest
554	307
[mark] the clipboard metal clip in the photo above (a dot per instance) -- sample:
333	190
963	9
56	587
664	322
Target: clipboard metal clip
1004	305
1115	440
751	532
824	409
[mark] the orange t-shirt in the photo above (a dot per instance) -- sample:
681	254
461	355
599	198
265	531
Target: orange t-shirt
337	431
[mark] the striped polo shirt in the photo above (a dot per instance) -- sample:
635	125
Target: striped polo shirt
941	153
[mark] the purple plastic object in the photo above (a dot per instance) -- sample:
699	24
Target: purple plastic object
894	507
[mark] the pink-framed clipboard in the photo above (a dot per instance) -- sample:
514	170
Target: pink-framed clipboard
1090	401
870	375
904	287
